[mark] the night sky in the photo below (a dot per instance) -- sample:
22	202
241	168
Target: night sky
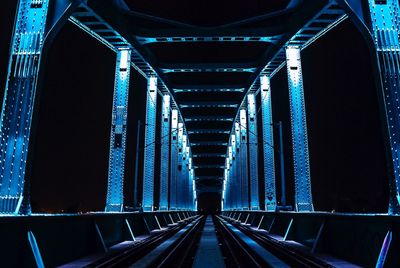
347	157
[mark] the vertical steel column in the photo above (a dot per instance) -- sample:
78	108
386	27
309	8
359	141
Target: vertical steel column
180	167
18	102
231	178
164	168
385	29
243	159
253	151
303	196
268	142
238	166
116	165
149	147
184	173
174	159
234	172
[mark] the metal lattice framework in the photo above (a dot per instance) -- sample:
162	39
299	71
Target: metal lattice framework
165	151
268	145
219	119
115	190
302	176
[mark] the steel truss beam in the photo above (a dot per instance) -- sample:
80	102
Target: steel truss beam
116	167
18	103
303	195
268	145
182	39
385	30
253	151
243	159
165	152
174	160
149	148
180	167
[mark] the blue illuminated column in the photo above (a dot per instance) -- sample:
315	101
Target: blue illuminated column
183	189
164	169
268	140
228	184
116	165
179	167
385	30
149	147
238	165
174	159
303	197
234	172
18	102
243	159
231	178
253	151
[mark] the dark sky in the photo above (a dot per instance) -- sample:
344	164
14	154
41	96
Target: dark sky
72	140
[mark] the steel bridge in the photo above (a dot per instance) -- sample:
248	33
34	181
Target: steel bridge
208	130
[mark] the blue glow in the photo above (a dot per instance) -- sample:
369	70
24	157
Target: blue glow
268	143
385	29
180	172
116	166
303	197
18	101
253	151
243	159
149	147
164	169
174	159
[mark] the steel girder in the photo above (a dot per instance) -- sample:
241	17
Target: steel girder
302	176
16	115
149	147
385	29
268	145
253	151
243	158
116	167
174	160
165	152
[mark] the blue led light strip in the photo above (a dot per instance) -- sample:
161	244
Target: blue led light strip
385	29
149	150
18	102
174	159
253	151
164	169
116	166
243	159
268	142
303	197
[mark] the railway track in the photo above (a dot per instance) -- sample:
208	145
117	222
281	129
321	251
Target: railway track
291	256
239	246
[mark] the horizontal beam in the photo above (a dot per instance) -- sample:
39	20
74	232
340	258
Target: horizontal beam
208	118
208	166
209	89
208	67
209	104
209	143
209	155
208	131
190	39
